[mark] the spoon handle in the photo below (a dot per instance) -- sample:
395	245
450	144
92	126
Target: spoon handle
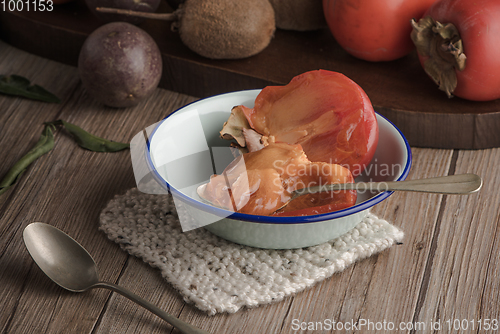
184	327
460	184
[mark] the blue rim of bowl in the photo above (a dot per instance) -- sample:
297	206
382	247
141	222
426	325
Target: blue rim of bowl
271	219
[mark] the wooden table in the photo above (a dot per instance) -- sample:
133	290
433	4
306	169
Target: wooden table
446	269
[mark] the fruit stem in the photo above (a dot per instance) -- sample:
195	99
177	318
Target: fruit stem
157	16
442	45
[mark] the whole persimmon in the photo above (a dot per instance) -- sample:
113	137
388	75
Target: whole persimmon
374	30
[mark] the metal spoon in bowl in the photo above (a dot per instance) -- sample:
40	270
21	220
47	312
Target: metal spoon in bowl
461	184
69	265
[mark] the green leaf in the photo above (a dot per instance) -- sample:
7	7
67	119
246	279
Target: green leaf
44	145
89	141
19	86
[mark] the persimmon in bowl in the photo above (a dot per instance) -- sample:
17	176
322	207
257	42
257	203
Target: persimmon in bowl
185	150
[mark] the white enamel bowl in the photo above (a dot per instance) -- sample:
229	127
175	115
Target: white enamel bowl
185	149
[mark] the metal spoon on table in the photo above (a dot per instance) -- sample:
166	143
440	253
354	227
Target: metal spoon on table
461	184
69	265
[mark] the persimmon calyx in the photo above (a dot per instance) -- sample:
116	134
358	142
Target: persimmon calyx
442	44
234	127
237	128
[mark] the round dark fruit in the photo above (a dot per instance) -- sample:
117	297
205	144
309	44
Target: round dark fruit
120	64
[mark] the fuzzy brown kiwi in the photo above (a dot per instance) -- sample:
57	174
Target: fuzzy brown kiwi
221	29
299	15
226	29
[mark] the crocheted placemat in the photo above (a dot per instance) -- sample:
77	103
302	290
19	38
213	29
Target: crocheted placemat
220	276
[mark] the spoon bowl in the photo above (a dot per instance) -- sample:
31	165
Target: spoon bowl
69	265
60	257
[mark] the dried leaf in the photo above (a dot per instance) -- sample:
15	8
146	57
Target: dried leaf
20	86
89	141
46	143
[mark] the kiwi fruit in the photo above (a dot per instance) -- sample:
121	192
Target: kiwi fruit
299	15
226	29
220	29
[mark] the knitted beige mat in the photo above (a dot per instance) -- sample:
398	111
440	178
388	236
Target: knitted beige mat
220	276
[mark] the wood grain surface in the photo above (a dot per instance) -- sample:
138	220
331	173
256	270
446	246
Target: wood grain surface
399	90
446	268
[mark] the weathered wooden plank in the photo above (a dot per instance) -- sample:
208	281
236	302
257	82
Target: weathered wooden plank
263	319
20	127
394	292
21	120
463	278
127	122
48	193
123	316
76	186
